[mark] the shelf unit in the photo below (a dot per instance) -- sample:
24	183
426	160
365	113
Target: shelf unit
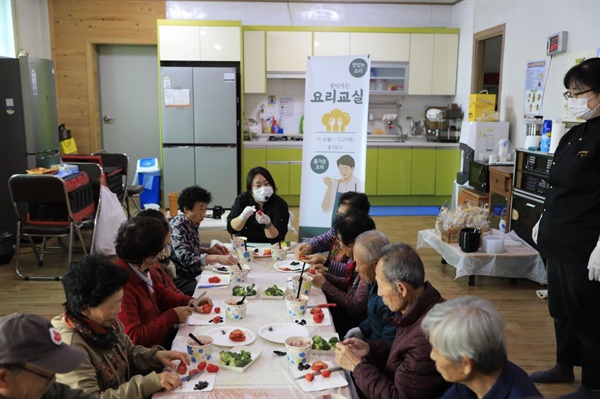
501	178
389	78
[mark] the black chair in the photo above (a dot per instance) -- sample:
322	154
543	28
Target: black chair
43	208
127	192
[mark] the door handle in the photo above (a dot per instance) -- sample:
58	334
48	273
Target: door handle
108	119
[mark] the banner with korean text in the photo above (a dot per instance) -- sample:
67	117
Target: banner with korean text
334	149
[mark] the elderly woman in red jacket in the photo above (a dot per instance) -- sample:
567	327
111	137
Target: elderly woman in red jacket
150	311
400	368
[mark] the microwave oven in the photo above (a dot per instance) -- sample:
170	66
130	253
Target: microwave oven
479	176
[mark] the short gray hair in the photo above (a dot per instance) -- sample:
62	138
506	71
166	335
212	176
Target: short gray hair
372	242
402	264
468	327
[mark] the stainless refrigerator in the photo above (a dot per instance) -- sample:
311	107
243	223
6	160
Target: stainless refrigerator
28	124
201	129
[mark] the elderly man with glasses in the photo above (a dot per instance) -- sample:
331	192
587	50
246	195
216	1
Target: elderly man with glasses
31	354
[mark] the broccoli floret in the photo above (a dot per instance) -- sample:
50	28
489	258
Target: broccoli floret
250	292
320	344
225	357
333	341
274	291
235	359
239	291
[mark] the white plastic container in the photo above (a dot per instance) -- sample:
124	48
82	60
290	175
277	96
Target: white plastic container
493	244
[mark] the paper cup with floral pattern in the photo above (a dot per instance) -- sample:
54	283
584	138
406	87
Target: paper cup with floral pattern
238	242
237	275
306	284
298	350
245	256
278	254
296	307
199	353
235	312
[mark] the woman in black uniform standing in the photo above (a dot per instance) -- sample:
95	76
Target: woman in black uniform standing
569	234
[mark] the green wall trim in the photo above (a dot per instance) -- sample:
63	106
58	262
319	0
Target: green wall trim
439	30
196	22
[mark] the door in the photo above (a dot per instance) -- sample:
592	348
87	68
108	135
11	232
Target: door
177	102
525	213
215	109
129	101
216	171
178	170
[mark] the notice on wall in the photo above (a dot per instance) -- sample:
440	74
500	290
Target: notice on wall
535	81
177	98
334	148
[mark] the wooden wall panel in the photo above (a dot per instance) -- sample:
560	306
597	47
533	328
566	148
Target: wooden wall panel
76	28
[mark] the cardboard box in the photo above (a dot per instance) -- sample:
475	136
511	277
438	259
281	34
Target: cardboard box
451	235
479	103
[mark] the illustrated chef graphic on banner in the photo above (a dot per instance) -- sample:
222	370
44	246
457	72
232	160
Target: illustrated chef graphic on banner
334	148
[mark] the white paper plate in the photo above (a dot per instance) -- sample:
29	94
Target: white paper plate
221	339
265	296
281	331
335	380
325	336
260	252
204	319
285	266
203	280
308	317
221	269
254	355
188	386
245	285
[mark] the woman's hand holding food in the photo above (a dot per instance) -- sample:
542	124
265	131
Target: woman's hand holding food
318	279
203	301
350	352
183	312
302	250
263	218
217	249
314	259
594	264
247	212
166	358
169	381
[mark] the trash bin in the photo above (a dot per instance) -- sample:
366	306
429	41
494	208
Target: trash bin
148	175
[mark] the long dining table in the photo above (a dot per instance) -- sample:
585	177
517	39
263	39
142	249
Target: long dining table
270	375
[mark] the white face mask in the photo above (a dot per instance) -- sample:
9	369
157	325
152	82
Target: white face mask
262	194
578	107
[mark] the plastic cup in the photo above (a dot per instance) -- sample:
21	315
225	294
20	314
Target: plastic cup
235	312
238	242
199	353
306	284
278	254
245	256
296	307
298	349
237	275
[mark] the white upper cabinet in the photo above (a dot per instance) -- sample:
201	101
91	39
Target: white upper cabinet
433	64
179	43
255	77
421	63
288	51
445	64
199	43
331	43
381	46
220	43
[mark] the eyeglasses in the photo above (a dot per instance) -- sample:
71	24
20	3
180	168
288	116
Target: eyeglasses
48	377
568	95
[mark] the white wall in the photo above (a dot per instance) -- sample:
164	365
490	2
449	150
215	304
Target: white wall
32	28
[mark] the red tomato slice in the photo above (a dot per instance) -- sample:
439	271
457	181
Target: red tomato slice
326	373
201	366
181	368
212	368
309	377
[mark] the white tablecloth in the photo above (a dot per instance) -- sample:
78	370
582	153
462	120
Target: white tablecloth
517	261
269	376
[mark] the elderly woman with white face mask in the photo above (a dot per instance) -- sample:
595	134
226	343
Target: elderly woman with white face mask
569	238
259	214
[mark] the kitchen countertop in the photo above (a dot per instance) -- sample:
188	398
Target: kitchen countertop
374	142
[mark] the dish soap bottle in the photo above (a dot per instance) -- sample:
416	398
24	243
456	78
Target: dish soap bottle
302	124
274	126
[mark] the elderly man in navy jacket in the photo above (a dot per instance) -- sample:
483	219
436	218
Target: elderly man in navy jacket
401	368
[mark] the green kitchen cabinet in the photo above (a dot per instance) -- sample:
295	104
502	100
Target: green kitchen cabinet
447	163
371	172
283	165
423	176
252	157
394	171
